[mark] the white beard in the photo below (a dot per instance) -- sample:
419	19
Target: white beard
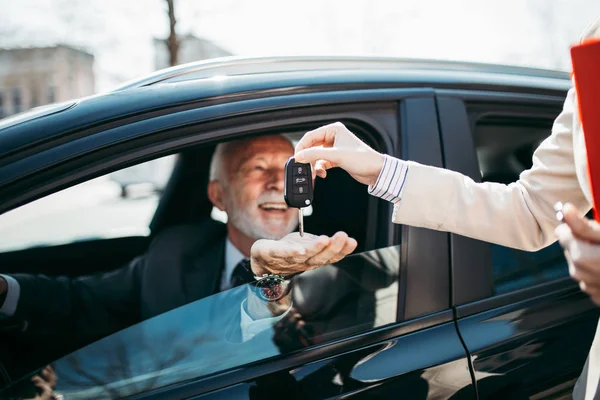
251	226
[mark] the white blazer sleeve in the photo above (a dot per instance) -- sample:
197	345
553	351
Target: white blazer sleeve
519	215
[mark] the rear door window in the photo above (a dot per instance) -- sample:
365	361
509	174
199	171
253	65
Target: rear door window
505	146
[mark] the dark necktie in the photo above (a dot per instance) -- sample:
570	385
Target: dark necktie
242	274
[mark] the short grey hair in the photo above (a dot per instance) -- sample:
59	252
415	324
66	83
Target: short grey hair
217	163
222	152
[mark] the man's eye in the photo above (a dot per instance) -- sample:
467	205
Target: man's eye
258	168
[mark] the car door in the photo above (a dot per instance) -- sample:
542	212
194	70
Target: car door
412	347
419	356
526	324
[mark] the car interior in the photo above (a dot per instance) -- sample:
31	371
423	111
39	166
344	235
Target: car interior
505	145
339	204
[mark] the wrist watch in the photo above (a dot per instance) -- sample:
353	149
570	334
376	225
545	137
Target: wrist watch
271	287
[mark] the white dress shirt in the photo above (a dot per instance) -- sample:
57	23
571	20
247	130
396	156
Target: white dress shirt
250	327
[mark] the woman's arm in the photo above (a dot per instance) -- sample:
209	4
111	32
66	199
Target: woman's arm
518	215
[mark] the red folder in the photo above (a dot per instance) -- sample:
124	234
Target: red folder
586	74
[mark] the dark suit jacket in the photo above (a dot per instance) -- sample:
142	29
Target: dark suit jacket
182	264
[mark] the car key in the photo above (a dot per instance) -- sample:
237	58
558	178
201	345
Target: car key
298	188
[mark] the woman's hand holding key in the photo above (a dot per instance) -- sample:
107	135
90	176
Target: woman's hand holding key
333	146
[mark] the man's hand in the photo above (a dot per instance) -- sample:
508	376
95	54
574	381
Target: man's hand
46	383
333	146
294	253
580	238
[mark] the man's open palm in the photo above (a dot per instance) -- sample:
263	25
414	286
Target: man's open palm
294	253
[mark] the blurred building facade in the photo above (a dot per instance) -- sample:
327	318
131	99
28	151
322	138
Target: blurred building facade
191	48
36	76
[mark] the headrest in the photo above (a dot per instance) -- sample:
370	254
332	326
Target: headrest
340	204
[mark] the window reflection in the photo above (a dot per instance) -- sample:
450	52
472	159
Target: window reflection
516	269
207	336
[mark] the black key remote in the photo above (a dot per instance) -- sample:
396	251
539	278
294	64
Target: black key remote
298	190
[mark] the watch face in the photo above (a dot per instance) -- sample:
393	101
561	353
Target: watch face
270	288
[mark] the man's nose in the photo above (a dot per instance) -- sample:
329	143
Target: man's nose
276	180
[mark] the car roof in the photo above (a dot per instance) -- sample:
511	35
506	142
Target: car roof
229	66
234	78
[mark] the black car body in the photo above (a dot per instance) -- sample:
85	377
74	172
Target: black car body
472	319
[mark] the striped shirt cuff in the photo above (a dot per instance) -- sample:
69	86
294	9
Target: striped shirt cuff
13	292
391	180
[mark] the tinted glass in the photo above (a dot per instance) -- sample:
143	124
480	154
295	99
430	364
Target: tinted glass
516	269
213	334
505	147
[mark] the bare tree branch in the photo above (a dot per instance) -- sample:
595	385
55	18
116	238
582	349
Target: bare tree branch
118	357
172	41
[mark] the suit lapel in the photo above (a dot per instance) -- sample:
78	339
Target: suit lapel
203	272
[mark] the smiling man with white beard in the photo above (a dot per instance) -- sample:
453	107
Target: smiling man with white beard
247	181
188	262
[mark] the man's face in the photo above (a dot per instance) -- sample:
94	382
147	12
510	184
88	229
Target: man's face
253	191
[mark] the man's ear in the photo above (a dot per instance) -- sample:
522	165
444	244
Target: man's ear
215	194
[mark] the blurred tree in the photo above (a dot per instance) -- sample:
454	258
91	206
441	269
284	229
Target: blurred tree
129	362
172	41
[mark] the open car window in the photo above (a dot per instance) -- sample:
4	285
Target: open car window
115	205
131	314
215	333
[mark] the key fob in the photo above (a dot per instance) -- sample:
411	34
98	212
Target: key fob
298	190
